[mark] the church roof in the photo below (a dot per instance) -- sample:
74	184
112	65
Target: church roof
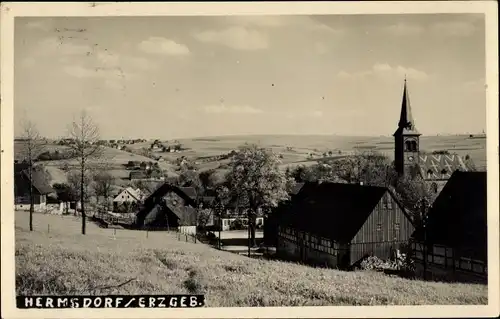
406	123
440	166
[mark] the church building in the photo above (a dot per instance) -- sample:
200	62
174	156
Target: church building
408	157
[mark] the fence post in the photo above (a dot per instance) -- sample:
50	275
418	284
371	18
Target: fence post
186	237
48	228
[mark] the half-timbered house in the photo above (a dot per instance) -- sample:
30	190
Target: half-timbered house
452	243
22	185
337	225
169	207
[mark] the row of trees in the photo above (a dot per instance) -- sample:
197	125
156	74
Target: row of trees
256	182
374	169
85	147
97	183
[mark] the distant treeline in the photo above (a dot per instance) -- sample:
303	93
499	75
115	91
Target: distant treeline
55	155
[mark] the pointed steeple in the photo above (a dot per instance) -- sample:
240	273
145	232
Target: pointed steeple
406	123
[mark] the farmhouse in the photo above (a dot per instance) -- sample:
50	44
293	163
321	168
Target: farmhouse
169	207
436	169
22	188
271	222
337	225
129	196
454	236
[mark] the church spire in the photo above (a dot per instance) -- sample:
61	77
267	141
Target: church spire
406	122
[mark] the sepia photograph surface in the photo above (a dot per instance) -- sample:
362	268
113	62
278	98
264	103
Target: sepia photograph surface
259	160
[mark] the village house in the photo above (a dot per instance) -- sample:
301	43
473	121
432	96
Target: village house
129	197
169	207
338	225
434	168
454	235
41	188
235	214
271	222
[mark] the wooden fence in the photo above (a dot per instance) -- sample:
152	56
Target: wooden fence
186	234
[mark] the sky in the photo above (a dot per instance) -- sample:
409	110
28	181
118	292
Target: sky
182	77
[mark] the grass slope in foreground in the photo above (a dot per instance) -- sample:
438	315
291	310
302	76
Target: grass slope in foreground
58	260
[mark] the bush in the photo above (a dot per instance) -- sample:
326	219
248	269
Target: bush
237	224
56	155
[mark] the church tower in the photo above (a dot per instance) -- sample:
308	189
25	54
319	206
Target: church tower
406	138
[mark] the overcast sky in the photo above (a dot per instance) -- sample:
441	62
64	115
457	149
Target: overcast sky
175	77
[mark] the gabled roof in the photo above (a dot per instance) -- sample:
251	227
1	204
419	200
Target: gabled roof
406	125
440	166
296	188
40	183
333	210
458	216
185	193
189	191
135	193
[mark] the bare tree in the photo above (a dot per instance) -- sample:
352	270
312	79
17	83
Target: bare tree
85	146
33	145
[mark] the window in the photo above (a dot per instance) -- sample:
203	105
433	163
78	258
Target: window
408	146
396	231
443	172
384	202
413	146
434	188
389	201
429	173
379	227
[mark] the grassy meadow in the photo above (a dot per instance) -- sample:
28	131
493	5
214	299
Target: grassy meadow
56	259
294	150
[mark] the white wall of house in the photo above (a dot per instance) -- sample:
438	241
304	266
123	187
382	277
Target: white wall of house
37	207
190	230
226	222
124	196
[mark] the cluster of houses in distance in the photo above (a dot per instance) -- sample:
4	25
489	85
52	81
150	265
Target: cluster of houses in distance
340	224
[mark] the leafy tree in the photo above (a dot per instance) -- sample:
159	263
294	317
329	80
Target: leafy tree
257	182
75	183
203	217
412	192
208	178
103	183
65	193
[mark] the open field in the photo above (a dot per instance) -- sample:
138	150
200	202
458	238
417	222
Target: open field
293	149
61	261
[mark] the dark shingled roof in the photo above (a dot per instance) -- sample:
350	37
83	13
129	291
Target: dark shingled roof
189	191
458	216
40	183
153	205
333	210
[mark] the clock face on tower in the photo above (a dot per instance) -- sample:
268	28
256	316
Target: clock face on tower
410	158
